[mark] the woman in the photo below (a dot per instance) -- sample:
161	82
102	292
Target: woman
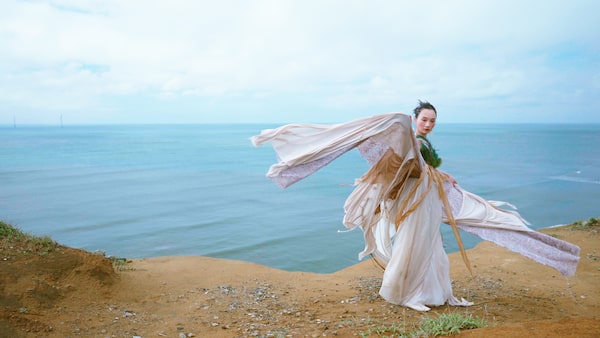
418	271
408	236
401	201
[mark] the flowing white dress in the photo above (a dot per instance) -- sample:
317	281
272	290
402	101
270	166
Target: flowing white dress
400	203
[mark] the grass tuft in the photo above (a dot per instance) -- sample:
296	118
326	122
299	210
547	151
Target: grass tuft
449	323
586	225
121	264
445	324
29	244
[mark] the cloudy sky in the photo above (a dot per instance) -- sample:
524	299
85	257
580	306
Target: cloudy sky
138	61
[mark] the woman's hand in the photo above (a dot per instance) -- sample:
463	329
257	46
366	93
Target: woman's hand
452	179
449	177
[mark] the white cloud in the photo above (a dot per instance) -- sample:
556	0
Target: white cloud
325	60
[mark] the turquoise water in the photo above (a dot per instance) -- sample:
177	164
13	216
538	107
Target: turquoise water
178	190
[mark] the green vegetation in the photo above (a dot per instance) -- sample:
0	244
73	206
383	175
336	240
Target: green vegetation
449	323
15	242
445	324
120	264
586	225
28	244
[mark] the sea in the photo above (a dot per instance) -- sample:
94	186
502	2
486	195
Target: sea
137	191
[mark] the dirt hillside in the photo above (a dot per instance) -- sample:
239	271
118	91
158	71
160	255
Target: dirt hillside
67	292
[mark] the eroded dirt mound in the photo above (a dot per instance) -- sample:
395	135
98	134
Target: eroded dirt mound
34	278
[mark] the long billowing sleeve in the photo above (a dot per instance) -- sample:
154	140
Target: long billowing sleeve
302	149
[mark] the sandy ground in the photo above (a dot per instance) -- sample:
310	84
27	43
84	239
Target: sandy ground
73	293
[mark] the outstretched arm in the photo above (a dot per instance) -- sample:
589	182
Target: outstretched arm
302	149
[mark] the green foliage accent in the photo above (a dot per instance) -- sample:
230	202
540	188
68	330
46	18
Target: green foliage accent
429	154
585	225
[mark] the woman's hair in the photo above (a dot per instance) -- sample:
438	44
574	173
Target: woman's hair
423	105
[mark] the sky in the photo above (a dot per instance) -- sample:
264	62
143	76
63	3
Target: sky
309	61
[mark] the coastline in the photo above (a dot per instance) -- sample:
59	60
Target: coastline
76	293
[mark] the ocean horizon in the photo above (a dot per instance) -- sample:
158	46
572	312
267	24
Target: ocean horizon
148	190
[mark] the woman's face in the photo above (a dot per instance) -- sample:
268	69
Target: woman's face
425	121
